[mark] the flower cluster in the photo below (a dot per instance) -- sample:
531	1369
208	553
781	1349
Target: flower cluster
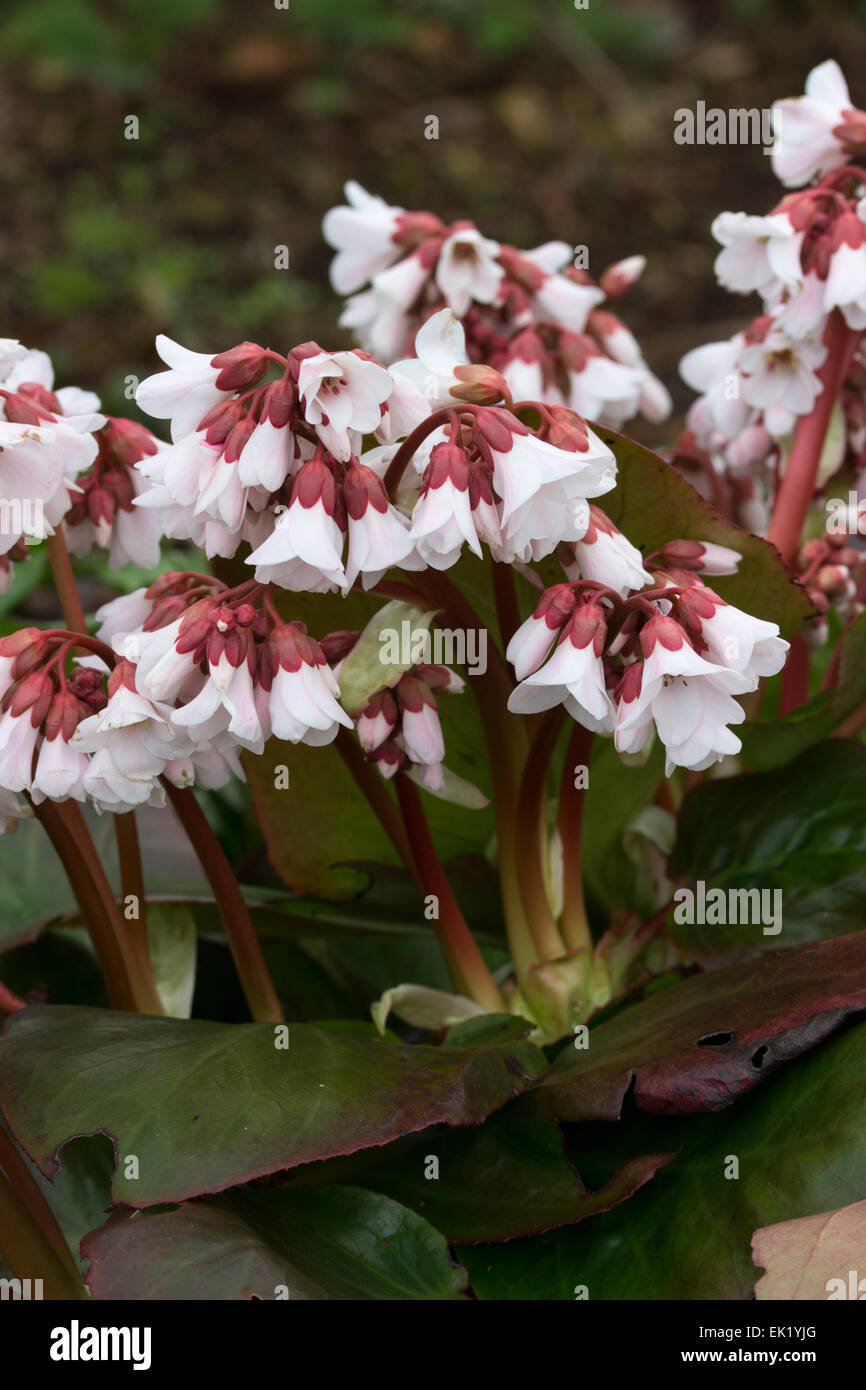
806	259
668	658
534	316
282	464
332	469
46	441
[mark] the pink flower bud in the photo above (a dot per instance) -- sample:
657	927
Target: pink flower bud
480	385
618	278
240	367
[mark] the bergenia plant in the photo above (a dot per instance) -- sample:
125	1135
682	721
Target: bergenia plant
524	712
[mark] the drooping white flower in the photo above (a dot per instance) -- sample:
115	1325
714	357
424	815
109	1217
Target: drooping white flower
758	253
304	549
574	675
467	269
303	695
341	395
362	233
733	638
689	699
607	556
545	490
806	140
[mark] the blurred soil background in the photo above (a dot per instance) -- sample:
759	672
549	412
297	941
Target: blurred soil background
553	122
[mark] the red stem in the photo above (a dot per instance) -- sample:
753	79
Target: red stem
252	971
795	677
466	965
797	487
374	789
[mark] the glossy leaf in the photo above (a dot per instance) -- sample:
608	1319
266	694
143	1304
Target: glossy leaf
510	1177
205	1106
700	1043
799	830
793	1148
653	503
334	1243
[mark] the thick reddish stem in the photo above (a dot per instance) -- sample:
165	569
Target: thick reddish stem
249	962
797	487
795	677
466	965
374	789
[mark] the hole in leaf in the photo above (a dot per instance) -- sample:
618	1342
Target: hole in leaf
758	1057
715	1040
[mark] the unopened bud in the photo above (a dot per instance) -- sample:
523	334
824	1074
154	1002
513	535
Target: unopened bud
240	367
479	385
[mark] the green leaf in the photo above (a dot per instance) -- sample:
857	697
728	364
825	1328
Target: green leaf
799	1146
770	743
800	830
205	1106
653	503
319	823
701	1043
510	1177
336	1243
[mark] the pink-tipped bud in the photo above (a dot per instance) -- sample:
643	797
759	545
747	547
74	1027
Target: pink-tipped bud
703	557
196	625
240	366
127	441
279	402
41	396
480	385
20	411
34	693
566	430
63	717
337	645
618	278
238	438
496	428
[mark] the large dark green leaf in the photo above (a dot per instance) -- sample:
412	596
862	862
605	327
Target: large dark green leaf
509	1177
700	1043
204	1106
328	1243
800	1147
653	503
800	829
